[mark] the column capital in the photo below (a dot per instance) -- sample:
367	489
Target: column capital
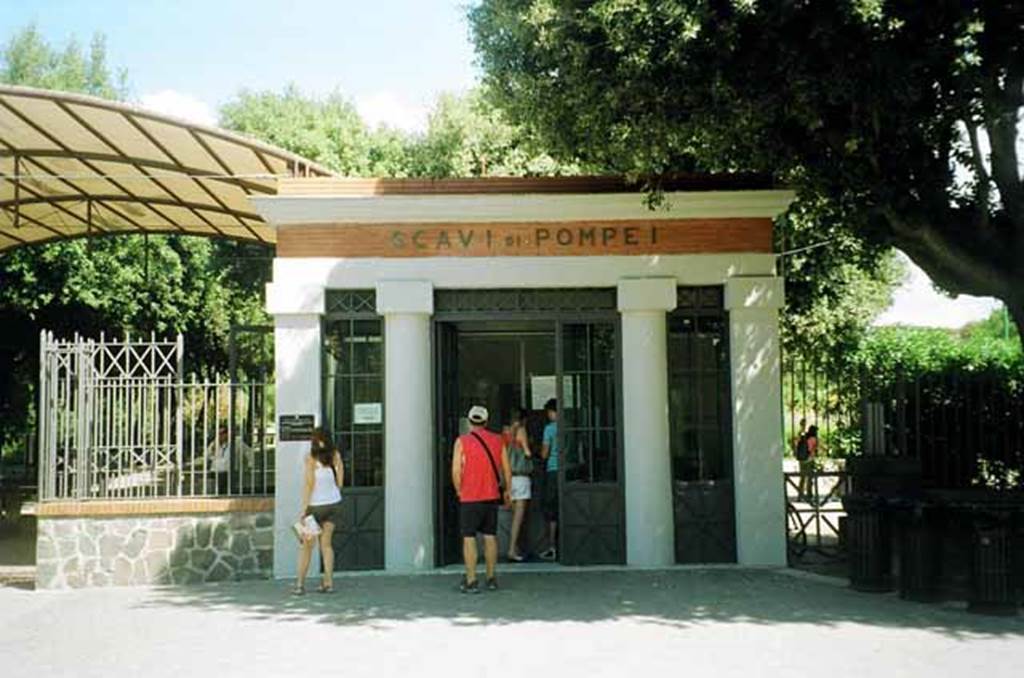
295	299
748	293
646	294
405	296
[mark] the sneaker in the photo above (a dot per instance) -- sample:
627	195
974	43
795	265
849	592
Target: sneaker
492	584
469	587
516	557
548	555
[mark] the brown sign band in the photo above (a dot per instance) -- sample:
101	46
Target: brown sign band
576	238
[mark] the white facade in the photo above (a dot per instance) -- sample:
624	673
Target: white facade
646	292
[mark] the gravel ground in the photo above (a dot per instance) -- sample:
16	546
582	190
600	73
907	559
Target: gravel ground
722	622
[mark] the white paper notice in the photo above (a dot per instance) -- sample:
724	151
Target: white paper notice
543	388
367	413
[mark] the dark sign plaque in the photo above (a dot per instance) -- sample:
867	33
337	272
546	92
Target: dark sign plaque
294	427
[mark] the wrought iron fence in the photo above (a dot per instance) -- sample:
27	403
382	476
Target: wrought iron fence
118	421
814	513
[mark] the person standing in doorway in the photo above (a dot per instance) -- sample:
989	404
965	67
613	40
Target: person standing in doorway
321	498
481	487
549	453
521	463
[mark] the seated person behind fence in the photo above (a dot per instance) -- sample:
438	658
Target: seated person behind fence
218	459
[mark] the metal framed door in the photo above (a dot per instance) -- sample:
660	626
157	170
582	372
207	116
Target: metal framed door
446	400
353	368
700	406
592	518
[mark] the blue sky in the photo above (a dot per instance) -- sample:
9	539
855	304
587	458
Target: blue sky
390	57
385	54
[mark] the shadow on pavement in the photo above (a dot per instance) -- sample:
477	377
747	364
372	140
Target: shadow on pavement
673	598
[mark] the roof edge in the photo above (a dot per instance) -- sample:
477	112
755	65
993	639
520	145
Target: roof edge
381	186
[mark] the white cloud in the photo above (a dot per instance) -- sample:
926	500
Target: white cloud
388	108
917	303
179	105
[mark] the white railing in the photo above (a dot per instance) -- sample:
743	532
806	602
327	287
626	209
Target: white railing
118	421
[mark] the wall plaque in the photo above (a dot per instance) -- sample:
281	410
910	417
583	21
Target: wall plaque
295	427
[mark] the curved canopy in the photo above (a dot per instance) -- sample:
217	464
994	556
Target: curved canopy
73	165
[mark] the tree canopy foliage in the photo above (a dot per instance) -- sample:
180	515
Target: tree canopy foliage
899	121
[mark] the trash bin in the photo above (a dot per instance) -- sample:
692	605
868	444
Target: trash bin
920	557
993	587
868	542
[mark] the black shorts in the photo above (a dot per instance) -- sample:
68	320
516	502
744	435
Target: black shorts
478	516
549	500
325	513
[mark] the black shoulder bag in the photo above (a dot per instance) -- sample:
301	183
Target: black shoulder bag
494	467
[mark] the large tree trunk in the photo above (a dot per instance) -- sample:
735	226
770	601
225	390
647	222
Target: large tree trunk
964	260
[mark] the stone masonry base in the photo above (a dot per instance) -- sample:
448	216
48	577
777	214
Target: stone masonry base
78	552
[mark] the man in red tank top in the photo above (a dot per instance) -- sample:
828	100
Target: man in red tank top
479	459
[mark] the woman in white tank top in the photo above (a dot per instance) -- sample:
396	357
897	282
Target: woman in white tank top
321	498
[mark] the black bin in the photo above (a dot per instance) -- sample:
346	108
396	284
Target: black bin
868	543
920	578
993	587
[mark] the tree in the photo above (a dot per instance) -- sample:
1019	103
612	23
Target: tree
28	59
877	112
328	131
468	137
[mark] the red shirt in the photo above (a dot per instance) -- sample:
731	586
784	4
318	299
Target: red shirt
478	481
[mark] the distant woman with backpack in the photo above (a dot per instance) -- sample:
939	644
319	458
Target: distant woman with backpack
806	450
520	459
321	498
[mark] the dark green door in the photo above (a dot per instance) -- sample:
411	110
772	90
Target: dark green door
592	507
699	425
354	415
446	397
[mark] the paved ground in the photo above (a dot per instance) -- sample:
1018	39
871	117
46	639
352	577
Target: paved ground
714	622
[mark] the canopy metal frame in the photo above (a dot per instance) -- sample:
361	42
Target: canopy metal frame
78	166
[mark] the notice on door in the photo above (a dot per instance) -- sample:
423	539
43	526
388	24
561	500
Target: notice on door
367	413
545	387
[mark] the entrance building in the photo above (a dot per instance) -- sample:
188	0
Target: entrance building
398	304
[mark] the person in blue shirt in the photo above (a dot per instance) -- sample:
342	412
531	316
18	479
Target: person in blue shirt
549	453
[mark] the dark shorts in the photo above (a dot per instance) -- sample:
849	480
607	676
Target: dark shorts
478	517
549	500
326	513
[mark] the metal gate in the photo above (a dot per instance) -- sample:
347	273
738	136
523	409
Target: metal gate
353	396
117	420
700	425
592	525
586	326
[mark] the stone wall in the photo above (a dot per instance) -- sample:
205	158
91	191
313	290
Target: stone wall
139	550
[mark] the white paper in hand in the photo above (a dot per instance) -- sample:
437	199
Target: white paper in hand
307	527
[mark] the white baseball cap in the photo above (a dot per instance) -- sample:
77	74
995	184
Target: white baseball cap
478	414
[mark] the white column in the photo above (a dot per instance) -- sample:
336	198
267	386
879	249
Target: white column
753	304
409	429
650	525
297	311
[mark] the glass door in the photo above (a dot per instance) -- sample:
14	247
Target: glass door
592	504
353	364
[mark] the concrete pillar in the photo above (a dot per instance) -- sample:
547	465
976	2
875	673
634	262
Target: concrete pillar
650	523
409	424
753	304
297	311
